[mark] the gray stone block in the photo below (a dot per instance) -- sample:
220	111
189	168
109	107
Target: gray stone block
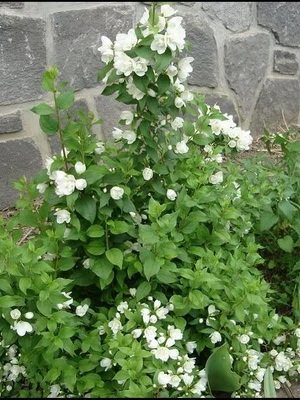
203	49
77	36
246	60
283	19
12	4
22	58
109	110
17	158
277	107
285	62
236	16
10	123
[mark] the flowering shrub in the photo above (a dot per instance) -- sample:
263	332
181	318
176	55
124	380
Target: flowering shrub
141	275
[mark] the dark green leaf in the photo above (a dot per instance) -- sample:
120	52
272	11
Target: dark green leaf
48	124
86	207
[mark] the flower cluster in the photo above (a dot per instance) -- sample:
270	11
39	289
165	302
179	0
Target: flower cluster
164	341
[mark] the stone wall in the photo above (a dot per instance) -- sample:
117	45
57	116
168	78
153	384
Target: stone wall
246	57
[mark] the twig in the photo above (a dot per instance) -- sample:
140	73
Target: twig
23	238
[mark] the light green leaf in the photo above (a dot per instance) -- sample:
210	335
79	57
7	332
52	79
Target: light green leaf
95	231
43	109
286	243
148	235
7	301
65	100
269	388
115	256
267	220
24	284
219	373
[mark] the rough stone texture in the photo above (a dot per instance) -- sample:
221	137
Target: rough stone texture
10	123
285	62
283	19
224	102
77	36
54	141
236	16
22	58
109	110
246	61
203	49
12	4
18	158
277	106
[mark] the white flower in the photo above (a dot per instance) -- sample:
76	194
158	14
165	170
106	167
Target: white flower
175	34
282	363
187	379
62	216
163	378
15	313
41	187
159	43
107	53
127	116
115	325
279	339
181	147
65	183
216	178
132	291
175	381
106	363
117	133
185	68
123	64
48	164
174	333
100	147
162	312
215	337
29	315
179	102
122	307
191	346
140	66
136	333
167	11
147	173
130	136
145	312
244	339
22	327
297	332
54	391
150	333
80	168
80	184
116	192
125	41
133	90
171	194
255	385
87	263
65	304
161	353
177	123
81	310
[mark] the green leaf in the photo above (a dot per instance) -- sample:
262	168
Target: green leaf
267	220
103	71
95	247
152	266
65	100
5	286
86	207
198	299
218	369
115	256
148	235
48	124
163	60
269	388
155	209
95	231
118	227
7	301
102	267
142	291
109	90
286	244
48	80
141	82
287	209
153	105
24	284
94	173
145	52
163	83
43	109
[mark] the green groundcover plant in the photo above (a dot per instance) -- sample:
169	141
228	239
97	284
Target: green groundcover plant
135	267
